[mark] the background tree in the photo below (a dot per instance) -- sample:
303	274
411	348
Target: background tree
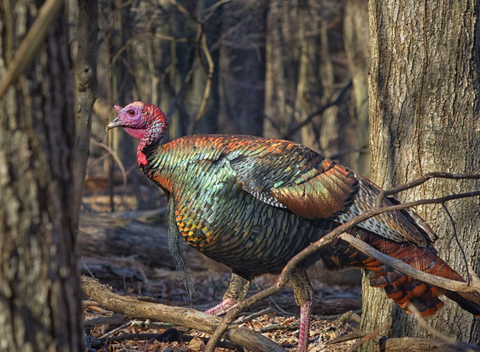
39	287
357	49
424	117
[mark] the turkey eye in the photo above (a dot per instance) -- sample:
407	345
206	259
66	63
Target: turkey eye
131	112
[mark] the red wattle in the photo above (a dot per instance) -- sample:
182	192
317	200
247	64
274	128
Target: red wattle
141	158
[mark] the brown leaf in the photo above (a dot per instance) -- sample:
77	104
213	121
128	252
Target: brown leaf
196	344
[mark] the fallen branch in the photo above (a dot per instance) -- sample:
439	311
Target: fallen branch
174	315
416	344
187	338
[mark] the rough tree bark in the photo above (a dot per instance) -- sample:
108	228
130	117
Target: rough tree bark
423	91
39	284
85	93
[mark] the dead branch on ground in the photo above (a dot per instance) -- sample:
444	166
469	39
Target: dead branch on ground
174	315
418	344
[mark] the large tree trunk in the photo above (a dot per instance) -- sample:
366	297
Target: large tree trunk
39	284
423	91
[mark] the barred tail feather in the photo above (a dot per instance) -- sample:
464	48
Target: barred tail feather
401	288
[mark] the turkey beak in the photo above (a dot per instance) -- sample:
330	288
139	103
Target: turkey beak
114	123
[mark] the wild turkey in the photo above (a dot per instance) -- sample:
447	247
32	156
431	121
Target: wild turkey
253	204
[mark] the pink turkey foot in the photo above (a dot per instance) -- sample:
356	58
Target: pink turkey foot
223	307
304	331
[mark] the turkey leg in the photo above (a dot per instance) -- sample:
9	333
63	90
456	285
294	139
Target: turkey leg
303	292
236	292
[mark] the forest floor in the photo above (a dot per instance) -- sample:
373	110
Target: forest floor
278	319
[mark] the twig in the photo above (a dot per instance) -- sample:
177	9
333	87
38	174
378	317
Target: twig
336	316
208	84
422	180
271	300
31	43
114	331
351	315
114	319
136	214
210	11
254	315
280	308
348	151
115	156
88	269
354	335
274	327
221	344
450	340
458	242
370	336
184	11
310	117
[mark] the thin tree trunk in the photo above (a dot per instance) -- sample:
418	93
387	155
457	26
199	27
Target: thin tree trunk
329	133
243	68
357	50
194	93
85	93
423	91
39	284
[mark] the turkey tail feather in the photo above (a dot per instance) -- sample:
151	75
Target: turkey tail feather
401	288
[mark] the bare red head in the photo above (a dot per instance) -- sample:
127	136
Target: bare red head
142	121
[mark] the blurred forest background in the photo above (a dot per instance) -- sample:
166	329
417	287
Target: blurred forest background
279	69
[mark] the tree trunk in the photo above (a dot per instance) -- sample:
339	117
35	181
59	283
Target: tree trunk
39	284
85	93
357	50
194	92
423	92
242	67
